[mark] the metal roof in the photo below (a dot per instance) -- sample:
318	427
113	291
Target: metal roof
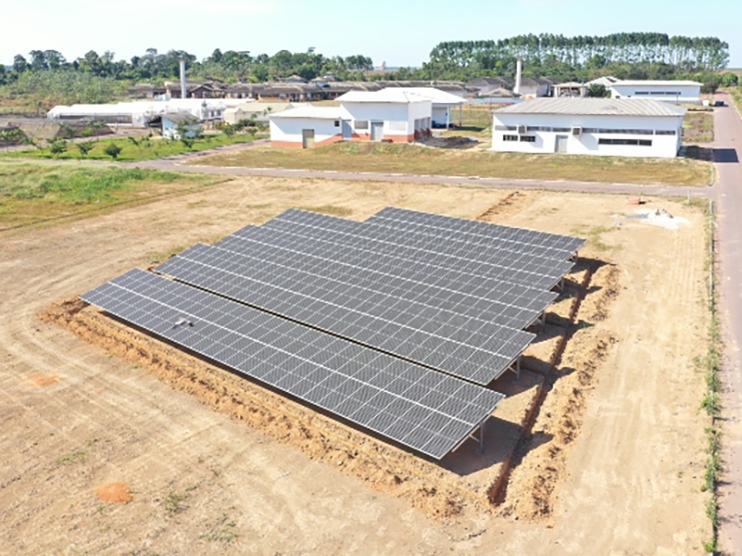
648	83
388	95
436	96
311	112
594	107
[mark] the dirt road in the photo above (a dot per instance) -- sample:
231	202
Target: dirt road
75	420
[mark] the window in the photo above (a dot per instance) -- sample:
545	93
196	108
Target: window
360	124
631	142
510	138
337	123
527	138
665	132
560	129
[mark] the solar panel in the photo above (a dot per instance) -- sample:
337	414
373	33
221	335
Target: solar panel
499	252
511	308
468	348
474	232
399	269
378	239
425	410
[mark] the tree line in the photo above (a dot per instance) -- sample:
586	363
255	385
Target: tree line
49	78
226	66
625	55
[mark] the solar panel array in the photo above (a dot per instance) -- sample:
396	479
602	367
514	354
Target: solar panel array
445	288
395	324
469	348
417	407
508	266
551	245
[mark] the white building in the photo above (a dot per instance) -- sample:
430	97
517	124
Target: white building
668	91
392	115
589	126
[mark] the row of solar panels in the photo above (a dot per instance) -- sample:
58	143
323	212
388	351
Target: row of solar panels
402	283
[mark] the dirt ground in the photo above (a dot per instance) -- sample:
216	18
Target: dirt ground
101	455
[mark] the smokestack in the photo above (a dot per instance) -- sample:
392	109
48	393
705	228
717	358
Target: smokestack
518	72
183	92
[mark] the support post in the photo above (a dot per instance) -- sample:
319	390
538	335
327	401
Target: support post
517	370
481	437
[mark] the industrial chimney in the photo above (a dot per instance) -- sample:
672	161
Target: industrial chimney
518	72
183	91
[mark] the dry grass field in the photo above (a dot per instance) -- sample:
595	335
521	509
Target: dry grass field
114	443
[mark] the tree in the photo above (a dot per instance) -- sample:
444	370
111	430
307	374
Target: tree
597	90
19	64
113	150
58	146
85	147
729	80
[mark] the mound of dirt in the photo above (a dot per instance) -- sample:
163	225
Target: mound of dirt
116	493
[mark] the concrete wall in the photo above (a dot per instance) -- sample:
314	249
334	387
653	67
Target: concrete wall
399	119
663	146
287	132
687	93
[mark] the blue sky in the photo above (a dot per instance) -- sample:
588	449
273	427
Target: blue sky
400	32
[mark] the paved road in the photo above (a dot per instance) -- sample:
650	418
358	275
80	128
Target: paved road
498	183
728	193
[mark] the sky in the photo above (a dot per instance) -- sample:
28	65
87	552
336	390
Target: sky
398	32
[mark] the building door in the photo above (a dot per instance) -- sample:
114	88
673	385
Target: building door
347	130
307	138
377	131
561	144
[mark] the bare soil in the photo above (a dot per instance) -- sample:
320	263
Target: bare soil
603	454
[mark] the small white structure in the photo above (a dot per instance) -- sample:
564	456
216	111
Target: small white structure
589	126
391	115
570	89
668	91
172	124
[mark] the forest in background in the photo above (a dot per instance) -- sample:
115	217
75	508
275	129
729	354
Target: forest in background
44	78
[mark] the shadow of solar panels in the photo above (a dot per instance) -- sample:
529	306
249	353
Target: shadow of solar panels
468	348
476	233
507	266
425	410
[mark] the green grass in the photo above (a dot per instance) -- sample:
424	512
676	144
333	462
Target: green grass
148	150
698	127
736	93
414	159
31	193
